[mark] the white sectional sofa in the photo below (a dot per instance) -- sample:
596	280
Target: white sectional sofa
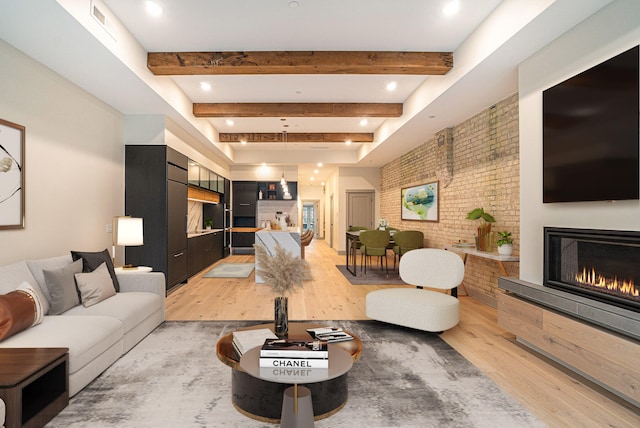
96	335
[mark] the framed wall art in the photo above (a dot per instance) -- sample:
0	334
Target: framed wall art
11	175
420	202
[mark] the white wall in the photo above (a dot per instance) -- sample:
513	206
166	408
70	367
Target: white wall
73	162
609	32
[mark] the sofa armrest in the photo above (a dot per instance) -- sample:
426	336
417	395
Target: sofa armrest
152	282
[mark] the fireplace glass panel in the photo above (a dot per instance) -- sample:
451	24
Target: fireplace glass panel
600	264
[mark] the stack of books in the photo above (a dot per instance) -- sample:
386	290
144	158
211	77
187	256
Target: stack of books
330	334
298	354
244	340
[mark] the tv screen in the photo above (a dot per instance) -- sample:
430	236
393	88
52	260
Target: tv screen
590	134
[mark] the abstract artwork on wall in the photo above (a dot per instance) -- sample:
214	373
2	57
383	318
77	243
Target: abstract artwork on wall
420	202
11	175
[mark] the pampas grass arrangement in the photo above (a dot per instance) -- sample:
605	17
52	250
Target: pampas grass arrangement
283	271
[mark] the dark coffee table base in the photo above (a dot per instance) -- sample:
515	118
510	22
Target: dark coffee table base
262	400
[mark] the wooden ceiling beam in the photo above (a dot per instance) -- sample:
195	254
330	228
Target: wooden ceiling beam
292	137
297	109
299	62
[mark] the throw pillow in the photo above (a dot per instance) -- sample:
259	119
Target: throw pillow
62	287
91	260
38	301
36	267
95	286
19	310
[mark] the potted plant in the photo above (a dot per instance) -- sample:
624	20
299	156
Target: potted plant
505	243
208	223
483	239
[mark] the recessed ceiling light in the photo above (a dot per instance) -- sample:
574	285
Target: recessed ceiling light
315	171
245	142
348	142
229	122
451	8
312	178
293	4
391	86
364	122
205	86
319	164
153	8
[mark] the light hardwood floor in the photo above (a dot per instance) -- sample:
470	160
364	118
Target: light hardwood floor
555	396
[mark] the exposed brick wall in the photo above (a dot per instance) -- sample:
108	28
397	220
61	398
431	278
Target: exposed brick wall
477	165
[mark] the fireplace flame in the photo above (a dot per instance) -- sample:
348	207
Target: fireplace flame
590	277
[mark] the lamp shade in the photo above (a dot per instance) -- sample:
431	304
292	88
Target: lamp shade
128	231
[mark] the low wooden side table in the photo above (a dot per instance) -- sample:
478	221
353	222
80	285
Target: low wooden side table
34	384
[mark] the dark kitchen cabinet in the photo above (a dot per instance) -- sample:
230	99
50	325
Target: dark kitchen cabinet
272	190
244	198
204	250
156	189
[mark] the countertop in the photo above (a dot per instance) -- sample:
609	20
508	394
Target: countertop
291	229
196	233
246	229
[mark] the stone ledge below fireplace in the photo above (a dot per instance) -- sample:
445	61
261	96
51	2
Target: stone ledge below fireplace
609	316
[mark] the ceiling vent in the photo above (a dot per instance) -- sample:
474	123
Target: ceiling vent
102	19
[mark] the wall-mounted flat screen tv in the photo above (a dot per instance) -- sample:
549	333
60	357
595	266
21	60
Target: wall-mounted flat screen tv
590	134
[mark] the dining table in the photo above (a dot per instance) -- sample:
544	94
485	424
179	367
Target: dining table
352	241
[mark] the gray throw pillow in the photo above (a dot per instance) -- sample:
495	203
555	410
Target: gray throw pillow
62	287
91	261
95	286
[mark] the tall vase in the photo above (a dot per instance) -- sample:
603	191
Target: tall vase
281	316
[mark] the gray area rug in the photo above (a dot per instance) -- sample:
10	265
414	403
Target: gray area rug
405	378
374	275
230	270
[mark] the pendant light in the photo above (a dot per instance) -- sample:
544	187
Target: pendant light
283	182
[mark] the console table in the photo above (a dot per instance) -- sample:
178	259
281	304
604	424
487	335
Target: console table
34	384
500	259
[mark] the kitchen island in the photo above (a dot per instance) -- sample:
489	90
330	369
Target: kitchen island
289	239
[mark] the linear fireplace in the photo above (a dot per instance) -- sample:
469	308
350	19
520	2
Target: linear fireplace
599	264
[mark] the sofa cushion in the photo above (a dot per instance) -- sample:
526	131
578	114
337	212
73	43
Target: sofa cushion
36	267
62	287
11	276
91	260
86	339
14	275
130	308
95	286
19	310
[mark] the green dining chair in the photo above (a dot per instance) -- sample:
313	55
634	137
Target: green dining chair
358	244
392	231
374	243
406	240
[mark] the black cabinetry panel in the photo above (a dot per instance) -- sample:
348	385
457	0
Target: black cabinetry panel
156	190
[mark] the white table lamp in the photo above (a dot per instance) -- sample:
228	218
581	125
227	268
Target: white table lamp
127	231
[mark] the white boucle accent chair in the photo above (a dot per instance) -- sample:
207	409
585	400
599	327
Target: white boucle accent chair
417	308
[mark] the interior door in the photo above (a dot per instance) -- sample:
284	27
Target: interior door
360	208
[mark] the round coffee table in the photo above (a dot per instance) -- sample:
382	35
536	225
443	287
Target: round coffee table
262	399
